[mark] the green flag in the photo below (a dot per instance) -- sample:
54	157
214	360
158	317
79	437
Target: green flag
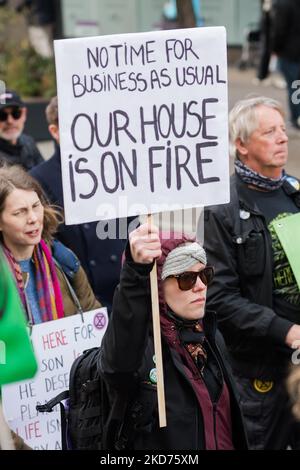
17	359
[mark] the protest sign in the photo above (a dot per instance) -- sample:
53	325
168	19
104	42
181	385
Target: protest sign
143	122
56	343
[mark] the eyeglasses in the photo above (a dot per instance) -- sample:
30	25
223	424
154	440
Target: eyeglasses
187	280
15	113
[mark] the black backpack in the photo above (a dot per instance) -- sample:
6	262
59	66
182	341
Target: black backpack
88	419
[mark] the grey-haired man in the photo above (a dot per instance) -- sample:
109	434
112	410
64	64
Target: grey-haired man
255	291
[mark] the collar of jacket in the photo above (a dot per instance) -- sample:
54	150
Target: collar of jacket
291	191
170	326
238	192
66	259
238	187
210	324
57	154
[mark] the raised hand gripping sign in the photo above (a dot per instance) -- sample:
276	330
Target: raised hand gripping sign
143	122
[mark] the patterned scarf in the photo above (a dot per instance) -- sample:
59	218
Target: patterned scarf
193	339
188	336
249	176
49	293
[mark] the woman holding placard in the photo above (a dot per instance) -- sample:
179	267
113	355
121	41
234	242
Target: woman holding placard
50	280
202	411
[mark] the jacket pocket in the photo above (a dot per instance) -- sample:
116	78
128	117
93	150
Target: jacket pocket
251	252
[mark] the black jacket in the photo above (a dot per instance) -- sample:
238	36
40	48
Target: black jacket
285	29
242	290
100	259
24	153
127	359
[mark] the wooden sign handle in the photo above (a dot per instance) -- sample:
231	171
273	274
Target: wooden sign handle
157	344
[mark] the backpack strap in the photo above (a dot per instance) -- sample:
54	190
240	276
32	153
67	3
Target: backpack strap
48	408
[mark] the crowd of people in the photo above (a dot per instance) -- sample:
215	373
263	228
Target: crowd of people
229	310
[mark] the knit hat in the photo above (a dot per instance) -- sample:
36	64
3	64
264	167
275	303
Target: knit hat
182	258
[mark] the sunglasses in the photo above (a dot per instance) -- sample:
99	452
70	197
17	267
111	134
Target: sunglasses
187	280
15	113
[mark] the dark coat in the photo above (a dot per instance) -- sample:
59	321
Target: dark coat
242	289
100	259
127	359
285	29
24	153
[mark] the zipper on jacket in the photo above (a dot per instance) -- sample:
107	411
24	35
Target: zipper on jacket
220	369
215	424
215	403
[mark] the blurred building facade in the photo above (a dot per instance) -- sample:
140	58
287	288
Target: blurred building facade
97	17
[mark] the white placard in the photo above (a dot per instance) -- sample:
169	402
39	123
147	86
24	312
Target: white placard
56	343
143	122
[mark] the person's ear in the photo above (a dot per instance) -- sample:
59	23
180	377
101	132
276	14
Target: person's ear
54	131
241	147
24	113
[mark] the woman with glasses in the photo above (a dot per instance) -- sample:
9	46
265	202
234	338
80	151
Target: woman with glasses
201	408
16	147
